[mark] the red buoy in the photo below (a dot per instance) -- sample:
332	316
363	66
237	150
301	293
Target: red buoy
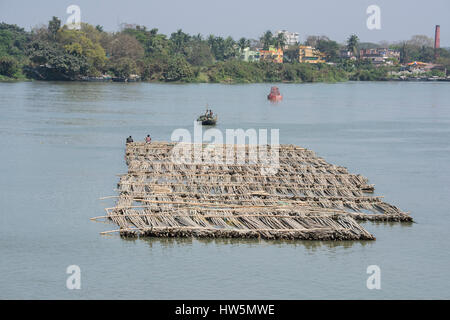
274	94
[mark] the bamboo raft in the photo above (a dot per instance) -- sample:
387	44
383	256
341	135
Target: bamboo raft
307	198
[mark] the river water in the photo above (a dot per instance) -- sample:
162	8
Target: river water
62	145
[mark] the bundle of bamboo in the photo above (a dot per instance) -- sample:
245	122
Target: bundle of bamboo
307	198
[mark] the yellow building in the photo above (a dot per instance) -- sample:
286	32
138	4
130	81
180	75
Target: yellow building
273	54
308	54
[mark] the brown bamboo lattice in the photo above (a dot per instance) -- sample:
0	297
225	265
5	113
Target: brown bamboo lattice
307	198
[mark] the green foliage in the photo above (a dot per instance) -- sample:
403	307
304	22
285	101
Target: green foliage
348	65
9	66
290	55
54	52
409	53
438	73
352	44
418	48
330	48
178	41
267	40
445	61
84	43
123	45
153	68
370	74
243	43
53	27
198	53
368	45
50	61
178	69
223	49
234	71
279	41
154	44
13	41
123	67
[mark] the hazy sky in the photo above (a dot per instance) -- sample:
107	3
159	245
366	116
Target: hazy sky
400	19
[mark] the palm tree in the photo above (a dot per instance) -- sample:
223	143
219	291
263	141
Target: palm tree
267	40
352	44
243	43
229	48
53	26
280	40
197	37
179	39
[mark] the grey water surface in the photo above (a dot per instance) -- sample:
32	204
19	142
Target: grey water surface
62	146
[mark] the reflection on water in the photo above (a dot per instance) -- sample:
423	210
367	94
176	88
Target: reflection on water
392	224
309	245
63	144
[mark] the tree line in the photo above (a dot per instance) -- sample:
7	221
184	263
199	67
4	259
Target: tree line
56	52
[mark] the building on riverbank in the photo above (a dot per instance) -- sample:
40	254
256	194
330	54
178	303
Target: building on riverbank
290	37
308	54
346	54
250	55
273	55
380	56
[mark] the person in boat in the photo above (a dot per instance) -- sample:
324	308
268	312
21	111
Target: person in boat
148	139
210	113
129	139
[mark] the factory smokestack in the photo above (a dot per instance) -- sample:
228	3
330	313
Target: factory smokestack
437	41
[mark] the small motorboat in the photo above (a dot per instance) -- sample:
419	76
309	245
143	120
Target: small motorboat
208	119
274	94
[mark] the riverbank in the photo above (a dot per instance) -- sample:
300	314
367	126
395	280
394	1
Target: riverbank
232	71
55	52
241	72
230	81
13	79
